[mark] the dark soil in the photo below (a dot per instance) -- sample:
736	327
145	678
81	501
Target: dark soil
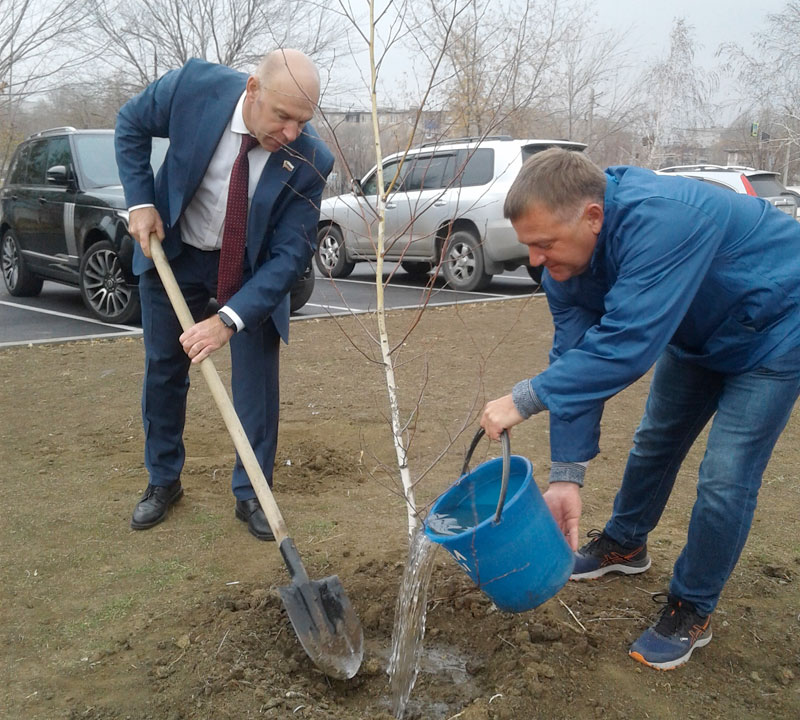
184	622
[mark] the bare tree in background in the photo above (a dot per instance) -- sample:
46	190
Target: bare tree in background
145	38
496	62
32	34
770	81
590	94
676	93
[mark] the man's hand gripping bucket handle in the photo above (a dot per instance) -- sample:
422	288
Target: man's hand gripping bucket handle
506	467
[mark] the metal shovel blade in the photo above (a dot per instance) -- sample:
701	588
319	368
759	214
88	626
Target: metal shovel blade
323	619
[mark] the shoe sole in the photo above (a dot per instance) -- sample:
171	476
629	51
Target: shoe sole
161	518
623	569
245	519
672	664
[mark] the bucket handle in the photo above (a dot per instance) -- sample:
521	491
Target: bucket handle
506	466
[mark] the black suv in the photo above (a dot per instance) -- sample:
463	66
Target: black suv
63	218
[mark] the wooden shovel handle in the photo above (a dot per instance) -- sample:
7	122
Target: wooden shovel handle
220	395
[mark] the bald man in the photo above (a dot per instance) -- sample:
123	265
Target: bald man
244	167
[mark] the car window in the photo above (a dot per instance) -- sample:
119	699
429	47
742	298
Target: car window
37	163
94	155
479	168
530	150
430	172
58	152
16	173
766	185
370	185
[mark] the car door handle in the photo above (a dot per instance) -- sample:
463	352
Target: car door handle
391	206
439	203
42	200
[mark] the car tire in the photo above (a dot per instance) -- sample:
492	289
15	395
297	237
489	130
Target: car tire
301	291
536	275
416	269
105	290
462	262
20	282
330	255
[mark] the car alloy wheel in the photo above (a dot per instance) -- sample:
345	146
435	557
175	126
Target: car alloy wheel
20	282
462	264
105	290
330	254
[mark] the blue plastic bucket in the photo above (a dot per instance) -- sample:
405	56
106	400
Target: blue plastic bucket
511	548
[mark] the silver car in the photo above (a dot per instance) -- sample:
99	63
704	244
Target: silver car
444	210
743	180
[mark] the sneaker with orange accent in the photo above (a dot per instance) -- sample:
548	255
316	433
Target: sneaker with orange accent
603	555
673	639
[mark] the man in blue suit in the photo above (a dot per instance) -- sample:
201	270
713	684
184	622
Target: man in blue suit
705	283
216	117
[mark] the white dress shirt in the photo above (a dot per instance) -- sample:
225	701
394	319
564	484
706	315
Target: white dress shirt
203	221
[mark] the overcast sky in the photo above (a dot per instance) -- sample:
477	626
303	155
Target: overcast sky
714	21
646	25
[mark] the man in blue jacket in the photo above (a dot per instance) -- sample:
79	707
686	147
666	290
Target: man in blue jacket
236	201
705	283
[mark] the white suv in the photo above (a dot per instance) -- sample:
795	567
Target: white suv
743	180
446	206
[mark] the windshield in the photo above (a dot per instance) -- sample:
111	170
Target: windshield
97	163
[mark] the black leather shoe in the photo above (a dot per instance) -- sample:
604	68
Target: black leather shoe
153	506
250	511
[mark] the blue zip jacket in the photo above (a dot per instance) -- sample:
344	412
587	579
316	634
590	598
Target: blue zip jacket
711	273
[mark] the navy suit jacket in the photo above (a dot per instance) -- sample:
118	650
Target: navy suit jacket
192	106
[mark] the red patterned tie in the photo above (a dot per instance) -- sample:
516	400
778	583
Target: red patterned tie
234	233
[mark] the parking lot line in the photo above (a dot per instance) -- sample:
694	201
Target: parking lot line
69	338
122	330
413	287
67	316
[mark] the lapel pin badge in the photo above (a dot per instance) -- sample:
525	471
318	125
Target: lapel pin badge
288	166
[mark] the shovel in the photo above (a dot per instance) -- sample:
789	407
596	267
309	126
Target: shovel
321	614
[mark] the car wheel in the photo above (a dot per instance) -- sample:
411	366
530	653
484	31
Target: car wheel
106	292
536	275
416	269
330	256
462	264
20	282
302	289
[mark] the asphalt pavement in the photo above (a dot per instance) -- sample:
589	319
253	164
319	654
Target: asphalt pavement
59	315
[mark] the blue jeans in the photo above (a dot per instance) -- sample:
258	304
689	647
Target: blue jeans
750	412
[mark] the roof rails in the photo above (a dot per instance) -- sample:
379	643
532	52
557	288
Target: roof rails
703	168
451	141
52	131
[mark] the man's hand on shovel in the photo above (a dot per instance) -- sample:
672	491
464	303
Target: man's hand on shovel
143	222
202	339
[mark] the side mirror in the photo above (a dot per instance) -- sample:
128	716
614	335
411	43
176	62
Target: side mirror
57	175
356	187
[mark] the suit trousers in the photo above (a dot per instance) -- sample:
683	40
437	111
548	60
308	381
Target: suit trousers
254	374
